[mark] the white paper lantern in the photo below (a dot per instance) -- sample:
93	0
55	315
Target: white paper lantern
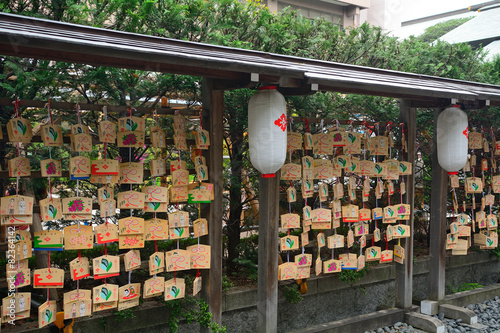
452	139
267	130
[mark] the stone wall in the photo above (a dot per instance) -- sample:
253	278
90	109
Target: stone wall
328	299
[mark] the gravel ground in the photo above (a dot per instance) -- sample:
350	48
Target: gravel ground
398	327
488	314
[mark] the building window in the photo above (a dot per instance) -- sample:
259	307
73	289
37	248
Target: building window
312	14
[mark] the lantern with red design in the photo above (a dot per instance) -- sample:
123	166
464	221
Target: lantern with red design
452	139
267	130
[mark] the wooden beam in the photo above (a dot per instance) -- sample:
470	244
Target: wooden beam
404	272
234	84
213	111
267	289
439	102
437	224
171	110
304	89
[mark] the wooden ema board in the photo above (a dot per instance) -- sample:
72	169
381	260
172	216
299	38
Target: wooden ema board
79	268
175	289
47	313
128	296
51	209
48	278
131	173
50	168
106	266
78	237
156	229
52	135
48	240
77	208
77	303
106	233
19	130
16	205
19	167
132	260
199	256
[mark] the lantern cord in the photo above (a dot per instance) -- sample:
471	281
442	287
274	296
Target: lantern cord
17	184
130	148
155	115
129	276
105	112
50	194
49	261
401	192
131	210
17	113
47	105
201	121
388	197
288	256
177	245
78	113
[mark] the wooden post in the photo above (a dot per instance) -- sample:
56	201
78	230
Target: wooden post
437	224
404	272
213	111
267	292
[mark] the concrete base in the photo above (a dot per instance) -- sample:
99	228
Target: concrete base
361	323
429	307
474	296
477	326
424	322
457	312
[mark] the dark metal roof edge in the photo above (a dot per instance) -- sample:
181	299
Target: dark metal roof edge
270	57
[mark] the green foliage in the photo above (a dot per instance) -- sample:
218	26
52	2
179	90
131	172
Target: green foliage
226	283
292	293
192	310
248	256
464	287
434	32
103	322
352	276
175	312
124	314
